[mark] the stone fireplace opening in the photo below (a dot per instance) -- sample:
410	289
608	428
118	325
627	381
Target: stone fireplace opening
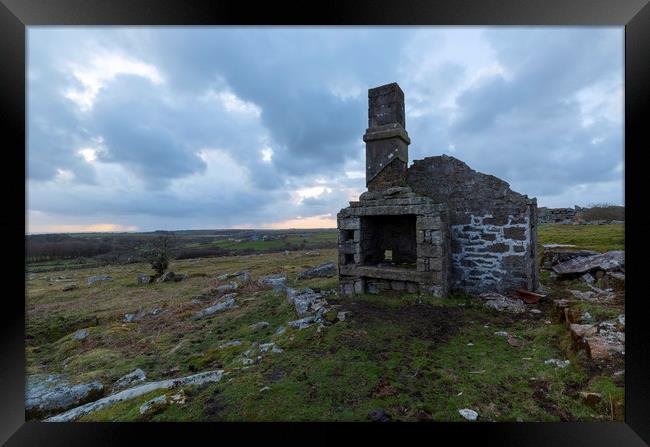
389	240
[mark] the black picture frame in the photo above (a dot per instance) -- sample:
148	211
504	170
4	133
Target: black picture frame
16	15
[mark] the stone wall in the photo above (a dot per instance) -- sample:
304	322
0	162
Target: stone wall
493	229
557	215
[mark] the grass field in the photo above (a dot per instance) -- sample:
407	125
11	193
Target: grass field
416	358
589	237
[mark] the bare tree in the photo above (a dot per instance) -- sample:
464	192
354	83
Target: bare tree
157	253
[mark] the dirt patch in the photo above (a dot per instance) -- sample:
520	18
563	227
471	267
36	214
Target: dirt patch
434	323
540	394
274	374
213	406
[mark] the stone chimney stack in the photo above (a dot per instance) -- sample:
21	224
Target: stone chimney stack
386	138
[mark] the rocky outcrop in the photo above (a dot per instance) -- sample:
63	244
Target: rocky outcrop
196	379
52	394
227	302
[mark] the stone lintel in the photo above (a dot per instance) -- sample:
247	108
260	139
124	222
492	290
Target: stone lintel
392	273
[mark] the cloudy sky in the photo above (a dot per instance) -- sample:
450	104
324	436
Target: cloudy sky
151	128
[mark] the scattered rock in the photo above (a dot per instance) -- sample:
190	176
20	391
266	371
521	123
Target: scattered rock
231	344
265	347
281	330
468	414
502	303
621	319
223	277
178	278
501	334
69	287
259	325
178	398
558	363
130	318
535	311
93	279
247	361
50	394
241	277
583	296
144	279
341	315
81	334
228	303
586	317
137	375
266	388
302	323
322	271
155	405
612	260
379	415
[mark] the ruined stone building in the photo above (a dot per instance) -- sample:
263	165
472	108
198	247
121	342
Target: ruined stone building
434	226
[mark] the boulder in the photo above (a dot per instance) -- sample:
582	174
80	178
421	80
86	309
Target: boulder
137	375
259	325
166	277
93	279
178	278
228	303
502	303
69	287
226	287
130	318
230	344
281	330
81	334
322	271
468	414
51	394
610	261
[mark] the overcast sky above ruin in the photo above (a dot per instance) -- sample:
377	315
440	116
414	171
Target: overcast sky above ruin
188	128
